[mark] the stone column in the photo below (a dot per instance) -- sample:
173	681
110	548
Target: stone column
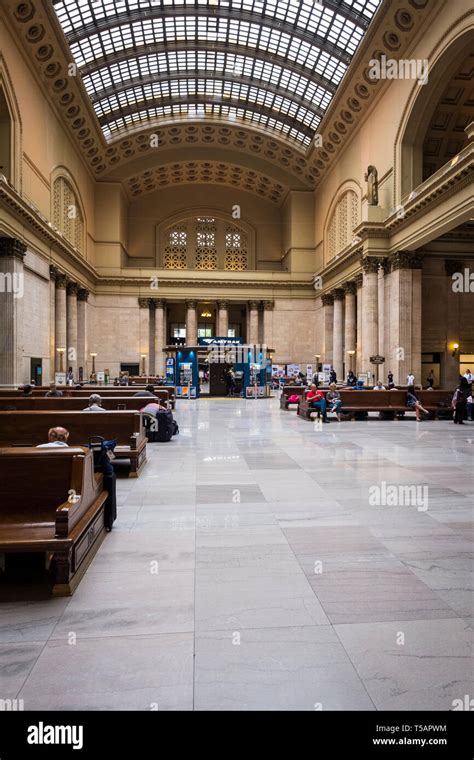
12	253
405	318
253	322
222	318
338	333
370	311
386	346
60	312
151	343
160	340
82	296
71	355
358	361
144	334
191	323
350	318
328	328
449	370
53	273
268	324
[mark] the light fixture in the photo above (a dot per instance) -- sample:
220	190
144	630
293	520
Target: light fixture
61	352
206	314
455	348
143	358
93	354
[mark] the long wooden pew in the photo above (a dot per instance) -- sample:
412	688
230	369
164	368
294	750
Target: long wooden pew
25	428
52	502
389	403
71	403
167	393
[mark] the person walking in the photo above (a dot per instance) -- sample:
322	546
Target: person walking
459	402
390	378
411	379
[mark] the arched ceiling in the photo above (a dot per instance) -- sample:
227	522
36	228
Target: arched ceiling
273	65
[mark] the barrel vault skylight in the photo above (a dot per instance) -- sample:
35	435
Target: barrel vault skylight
271	63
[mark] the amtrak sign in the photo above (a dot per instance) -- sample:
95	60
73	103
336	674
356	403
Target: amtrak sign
220	341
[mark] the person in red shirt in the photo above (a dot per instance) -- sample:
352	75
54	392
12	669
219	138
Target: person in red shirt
317	400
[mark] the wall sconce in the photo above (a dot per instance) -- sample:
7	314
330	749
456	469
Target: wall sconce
61	352
351	353
93	354
455	349
143	358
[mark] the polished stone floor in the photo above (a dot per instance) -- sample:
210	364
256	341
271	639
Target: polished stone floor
263	562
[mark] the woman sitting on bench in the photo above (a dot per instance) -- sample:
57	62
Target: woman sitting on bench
413	403
333	397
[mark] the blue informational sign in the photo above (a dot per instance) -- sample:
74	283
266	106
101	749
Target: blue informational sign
169	379
223	341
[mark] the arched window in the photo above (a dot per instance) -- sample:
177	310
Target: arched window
67	214
5	137
343	220
205	243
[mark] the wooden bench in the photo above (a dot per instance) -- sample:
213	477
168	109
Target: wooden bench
166	394
387	403
70	403
289	390
24	428
52	503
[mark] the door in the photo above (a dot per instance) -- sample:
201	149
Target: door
36	372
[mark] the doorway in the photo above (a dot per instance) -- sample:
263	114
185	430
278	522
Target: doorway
36	371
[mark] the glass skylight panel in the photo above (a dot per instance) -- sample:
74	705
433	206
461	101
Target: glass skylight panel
317	40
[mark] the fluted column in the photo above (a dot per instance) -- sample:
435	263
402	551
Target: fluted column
338	333
358	281
222	318
405	314
386	347
453	303
12	253
82	297
191	323
151	339
349	321
160	341
71	360
370	322
328	328
144	333
53	273
253	322
268	323
60	317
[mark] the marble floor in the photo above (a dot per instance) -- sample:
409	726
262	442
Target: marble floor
263	562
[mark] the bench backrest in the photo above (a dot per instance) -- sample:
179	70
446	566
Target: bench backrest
35	482
299	390
70	403
31	428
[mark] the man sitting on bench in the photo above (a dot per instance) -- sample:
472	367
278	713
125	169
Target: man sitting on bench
95	404
317	400
57	436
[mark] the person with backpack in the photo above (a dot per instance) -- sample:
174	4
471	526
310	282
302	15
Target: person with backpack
459	402
160	424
